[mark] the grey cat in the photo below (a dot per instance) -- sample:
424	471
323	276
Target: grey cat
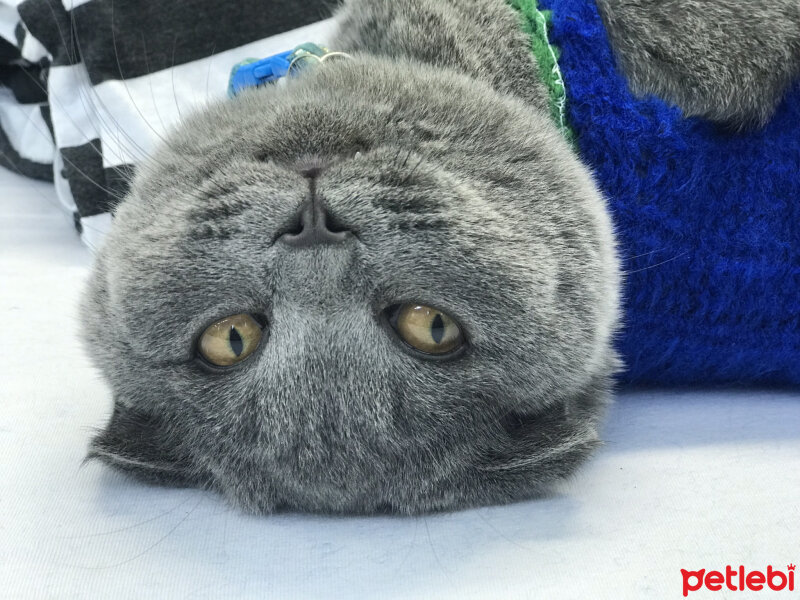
391	285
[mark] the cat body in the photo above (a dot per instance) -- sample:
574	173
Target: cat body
425	170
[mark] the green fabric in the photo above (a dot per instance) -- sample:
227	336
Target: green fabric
534	23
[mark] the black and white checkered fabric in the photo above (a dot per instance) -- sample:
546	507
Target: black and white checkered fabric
87	87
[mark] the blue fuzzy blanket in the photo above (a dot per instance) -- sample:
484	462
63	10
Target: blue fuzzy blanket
708	221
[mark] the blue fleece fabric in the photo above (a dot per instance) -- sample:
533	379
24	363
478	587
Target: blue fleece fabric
708	221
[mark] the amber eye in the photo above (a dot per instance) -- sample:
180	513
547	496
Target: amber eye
230	340
427	329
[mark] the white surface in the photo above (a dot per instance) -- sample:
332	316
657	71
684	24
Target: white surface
25	128
687	480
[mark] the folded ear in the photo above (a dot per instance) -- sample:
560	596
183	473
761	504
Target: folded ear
144	446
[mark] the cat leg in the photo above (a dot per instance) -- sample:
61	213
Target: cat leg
481	38
727	61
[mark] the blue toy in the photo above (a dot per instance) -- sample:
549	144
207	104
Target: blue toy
253	72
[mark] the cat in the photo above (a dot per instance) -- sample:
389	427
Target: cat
391	285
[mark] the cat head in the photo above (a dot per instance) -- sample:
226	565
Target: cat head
414	285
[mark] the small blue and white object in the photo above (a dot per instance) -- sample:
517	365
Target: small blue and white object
254	72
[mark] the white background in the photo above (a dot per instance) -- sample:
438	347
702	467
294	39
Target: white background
687	479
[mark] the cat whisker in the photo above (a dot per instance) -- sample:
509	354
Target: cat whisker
644	254
208	73
125	83
663	262
129	527
75	59
411	173
405	162
172	74
54	98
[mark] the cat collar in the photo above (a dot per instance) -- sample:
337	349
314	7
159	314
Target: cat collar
535	24
253	72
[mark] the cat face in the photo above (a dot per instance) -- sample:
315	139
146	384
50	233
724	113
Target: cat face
440	193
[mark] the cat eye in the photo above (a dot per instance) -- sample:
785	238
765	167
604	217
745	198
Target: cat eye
426	329
230	340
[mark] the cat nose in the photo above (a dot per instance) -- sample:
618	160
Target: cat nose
314	224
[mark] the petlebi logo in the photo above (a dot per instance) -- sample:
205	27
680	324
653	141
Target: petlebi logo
739	580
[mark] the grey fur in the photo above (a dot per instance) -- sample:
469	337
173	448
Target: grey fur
480	38
460	193
723	60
